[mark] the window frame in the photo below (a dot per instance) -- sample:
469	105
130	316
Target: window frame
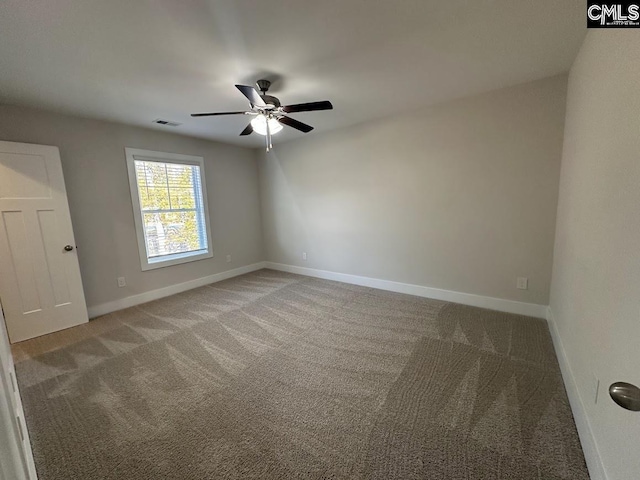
133	154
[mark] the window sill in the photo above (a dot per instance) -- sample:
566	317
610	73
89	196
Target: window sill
175	259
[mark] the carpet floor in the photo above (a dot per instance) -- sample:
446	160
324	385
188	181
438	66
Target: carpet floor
279	376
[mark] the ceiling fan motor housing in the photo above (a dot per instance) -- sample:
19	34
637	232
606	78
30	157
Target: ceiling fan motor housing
269	100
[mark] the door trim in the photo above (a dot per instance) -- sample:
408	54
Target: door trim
16	461
587	440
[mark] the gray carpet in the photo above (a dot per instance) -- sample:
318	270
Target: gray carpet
279	376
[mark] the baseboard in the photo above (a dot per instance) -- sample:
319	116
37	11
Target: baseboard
104	308
509	306
589	447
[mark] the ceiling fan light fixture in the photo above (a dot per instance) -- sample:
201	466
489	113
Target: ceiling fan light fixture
259	124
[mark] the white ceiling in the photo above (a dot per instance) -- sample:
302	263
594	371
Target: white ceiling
136	60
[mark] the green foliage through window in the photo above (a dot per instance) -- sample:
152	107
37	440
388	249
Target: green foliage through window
172	207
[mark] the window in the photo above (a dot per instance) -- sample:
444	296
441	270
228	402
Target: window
169	207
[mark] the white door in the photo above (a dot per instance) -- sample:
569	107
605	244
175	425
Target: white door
40	284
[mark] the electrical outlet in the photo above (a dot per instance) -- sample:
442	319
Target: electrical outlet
304	256
522	283
122	282
228	258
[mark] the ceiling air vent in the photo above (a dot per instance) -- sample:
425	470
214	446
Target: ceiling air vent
167	123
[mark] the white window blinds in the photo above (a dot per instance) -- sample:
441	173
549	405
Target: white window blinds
171	206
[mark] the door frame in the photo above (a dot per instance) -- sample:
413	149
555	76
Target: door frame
16	461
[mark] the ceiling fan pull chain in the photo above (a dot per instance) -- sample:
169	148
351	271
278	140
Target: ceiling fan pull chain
269	145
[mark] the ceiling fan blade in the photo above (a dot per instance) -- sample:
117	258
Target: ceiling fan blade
308	107
247	131
303	127
215	114
252	94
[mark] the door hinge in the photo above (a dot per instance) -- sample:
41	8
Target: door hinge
20	428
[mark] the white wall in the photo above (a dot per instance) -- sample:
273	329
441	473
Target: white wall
460	196
95	171
595	295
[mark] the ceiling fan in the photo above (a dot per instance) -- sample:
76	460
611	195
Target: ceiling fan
269	113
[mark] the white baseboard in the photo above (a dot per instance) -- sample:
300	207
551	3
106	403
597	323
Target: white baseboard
104	308
589	447
509	306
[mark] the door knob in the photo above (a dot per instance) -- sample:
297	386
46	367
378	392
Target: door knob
626	395
68	248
